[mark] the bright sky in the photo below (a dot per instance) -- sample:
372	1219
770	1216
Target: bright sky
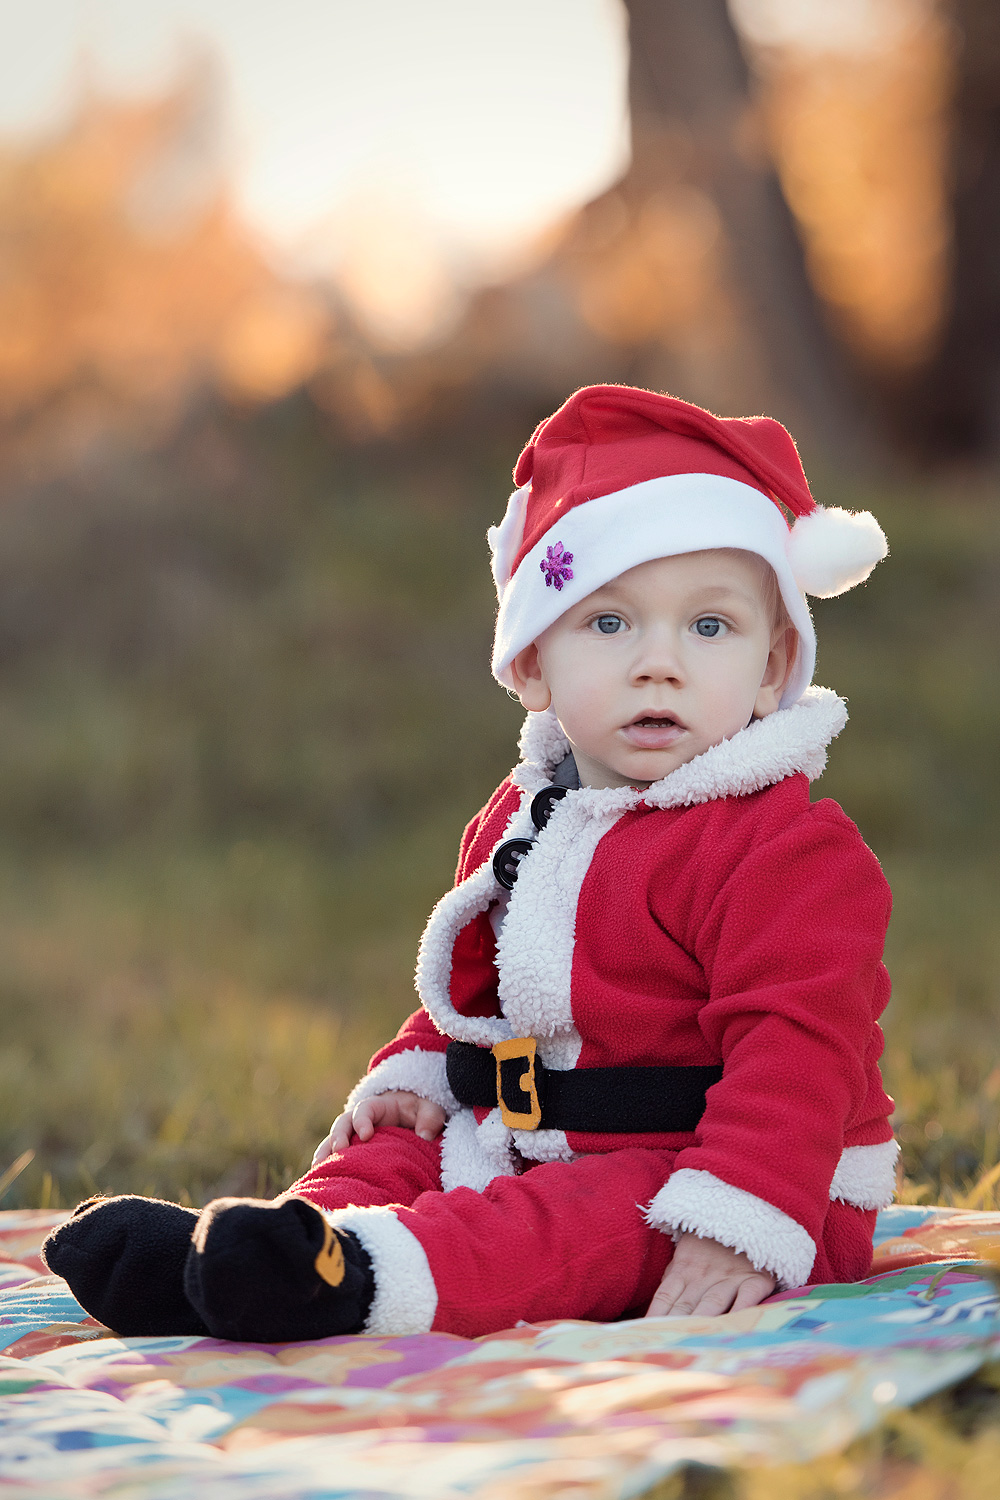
483	120
405	147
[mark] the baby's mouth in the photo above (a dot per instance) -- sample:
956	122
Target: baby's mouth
654	731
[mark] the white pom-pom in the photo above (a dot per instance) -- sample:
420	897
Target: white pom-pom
505	539
832	550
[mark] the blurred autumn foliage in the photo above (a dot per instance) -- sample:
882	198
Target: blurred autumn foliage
860	146
784	240
128	286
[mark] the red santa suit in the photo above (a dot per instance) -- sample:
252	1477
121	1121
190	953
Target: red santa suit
717	917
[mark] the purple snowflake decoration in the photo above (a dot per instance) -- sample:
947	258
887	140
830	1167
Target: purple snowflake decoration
556	566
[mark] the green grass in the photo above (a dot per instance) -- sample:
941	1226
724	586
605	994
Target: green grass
186	1022
946	1449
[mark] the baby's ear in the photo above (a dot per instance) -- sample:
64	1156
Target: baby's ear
529	680
780	661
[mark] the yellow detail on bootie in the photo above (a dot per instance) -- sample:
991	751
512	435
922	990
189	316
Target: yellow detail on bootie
330	1260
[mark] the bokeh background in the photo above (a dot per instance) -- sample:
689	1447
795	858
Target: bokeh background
283	289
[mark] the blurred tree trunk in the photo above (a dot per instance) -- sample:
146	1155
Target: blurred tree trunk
953	408
691	96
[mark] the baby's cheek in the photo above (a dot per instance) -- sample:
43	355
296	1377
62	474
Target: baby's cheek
585	716
729	707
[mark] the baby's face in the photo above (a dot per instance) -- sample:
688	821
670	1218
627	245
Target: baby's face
658	665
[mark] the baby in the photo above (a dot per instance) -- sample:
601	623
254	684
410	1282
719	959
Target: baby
644	1074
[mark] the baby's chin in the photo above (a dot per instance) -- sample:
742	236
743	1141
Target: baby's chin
640	769
646	775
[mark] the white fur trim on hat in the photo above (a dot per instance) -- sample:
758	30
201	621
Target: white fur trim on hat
831	550
664	517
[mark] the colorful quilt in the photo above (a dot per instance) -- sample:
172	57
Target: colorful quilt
596	1410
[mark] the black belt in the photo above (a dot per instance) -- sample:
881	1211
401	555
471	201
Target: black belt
605	1100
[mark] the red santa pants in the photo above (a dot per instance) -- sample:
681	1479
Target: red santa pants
564	1240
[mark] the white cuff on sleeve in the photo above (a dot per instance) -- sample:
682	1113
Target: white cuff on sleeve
866	1175
694	1202
415	1071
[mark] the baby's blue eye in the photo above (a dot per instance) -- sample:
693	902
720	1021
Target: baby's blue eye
708	627
609	624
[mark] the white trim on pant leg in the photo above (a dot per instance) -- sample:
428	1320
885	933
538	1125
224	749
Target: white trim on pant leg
405	1298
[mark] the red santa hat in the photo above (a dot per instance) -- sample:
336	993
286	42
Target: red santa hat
618	476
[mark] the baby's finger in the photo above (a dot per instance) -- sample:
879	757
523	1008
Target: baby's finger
714	1299
666	1297
368	1114
323	1150
430	1120
340	1133
753	1291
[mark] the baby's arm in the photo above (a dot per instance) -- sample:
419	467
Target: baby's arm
394	1108
790	948
709	1278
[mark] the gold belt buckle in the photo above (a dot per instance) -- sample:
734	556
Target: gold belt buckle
519	1047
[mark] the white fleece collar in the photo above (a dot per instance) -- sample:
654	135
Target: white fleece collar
785	742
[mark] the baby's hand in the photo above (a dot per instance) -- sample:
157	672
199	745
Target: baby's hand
397	1108
706	1277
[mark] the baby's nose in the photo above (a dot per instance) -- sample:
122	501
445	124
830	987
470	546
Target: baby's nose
658	656
658	666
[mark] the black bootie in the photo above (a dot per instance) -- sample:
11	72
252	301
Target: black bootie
272	1273
124	1261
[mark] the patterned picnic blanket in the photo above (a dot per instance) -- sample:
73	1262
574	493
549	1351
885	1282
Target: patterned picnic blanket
597	1409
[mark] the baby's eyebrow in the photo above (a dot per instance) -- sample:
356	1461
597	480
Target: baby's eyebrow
702	597
724	591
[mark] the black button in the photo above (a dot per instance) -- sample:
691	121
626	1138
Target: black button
507	858
543	802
